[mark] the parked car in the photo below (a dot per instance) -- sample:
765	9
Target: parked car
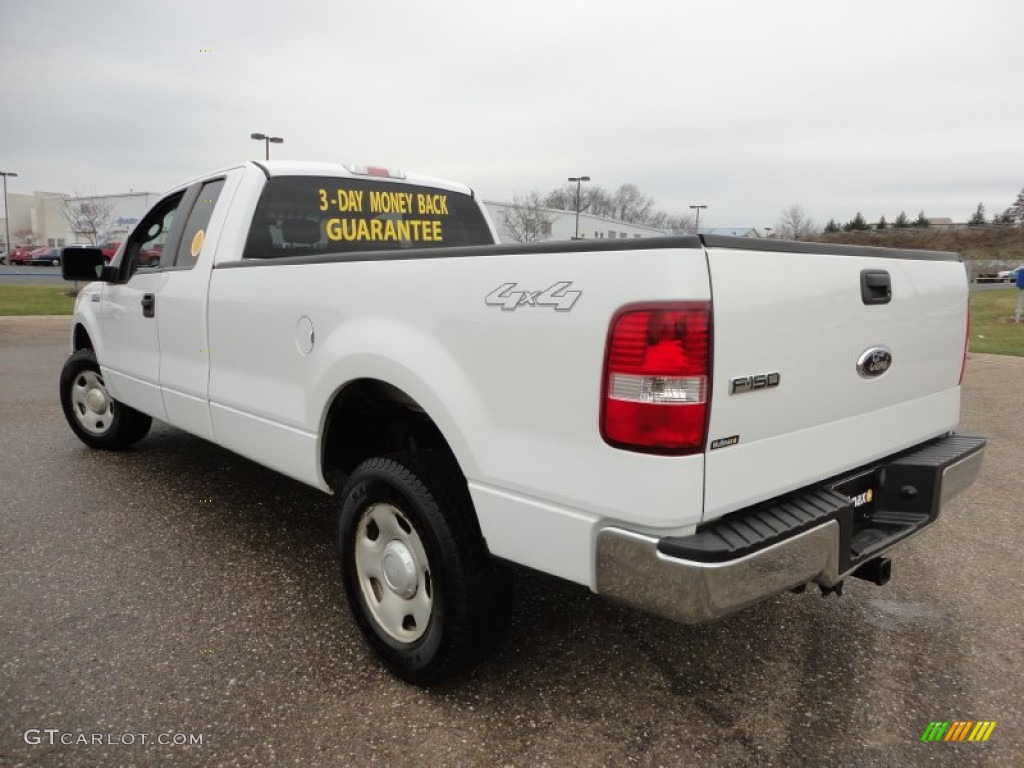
109	249
150	257
1010	275
45	256
20	254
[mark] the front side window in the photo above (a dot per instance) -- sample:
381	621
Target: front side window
146	245
305	215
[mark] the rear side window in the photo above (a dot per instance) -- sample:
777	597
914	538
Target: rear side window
195	228
304	215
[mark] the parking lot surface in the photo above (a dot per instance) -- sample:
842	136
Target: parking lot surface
26	274
179	591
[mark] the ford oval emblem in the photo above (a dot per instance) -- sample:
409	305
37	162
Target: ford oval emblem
874	362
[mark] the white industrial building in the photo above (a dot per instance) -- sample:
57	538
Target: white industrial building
563	225
38	219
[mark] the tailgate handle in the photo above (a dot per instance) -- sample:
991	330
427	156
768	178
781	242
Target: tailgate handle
875	286
148	305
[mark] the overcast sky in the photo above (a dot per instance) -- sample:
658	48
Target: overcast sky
746	107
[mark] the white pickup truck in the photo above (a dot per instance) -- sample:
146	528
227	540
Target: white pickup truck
688	425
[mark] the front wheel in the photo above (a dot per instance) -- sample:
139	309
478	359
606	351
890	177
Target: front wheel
423	589
95	417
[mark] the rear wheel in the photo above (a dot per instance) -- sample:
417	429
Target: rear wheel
424	592
95	417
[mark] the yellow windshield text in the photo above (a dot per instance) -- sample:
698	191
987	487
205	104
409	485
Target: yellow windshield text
380	216
384	230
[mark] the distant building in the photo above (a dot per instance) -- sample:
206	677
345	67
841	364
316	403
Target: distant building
731	231
563	225
126	208
943	223
38	219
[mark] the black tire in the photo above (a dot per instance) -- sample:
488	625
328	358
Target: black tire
95	417
454	608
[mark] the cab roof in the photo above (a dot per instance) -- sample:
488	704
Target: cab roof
273	168
353	171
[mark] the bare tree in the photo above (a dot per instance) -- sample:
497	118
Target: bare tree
593	199
87	217
794	223
631	205
564	198
527	220
626	204
683	222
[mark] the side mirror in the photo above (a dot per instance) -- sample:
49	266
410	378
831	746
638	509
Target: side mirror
82	264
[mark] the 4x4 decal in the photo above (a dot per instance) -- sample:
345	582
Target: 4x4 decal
509	297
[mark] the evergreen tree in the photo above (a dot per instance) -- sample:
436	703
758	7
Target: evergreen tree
1003	219
831	227
978	218
1016	210
902	222
856	224
882	223
922	221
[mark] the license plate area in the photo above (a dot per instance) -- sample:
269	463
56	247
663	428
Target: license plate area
862	490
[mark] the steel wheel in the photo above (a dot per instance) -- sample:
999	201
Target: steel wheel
393	572
91	403
93	415
423	589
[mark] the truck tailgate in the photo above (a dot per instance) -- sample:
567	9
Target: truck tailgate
790	406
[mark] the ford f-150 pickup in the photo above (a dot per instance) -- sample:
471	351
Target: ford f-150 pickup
689	425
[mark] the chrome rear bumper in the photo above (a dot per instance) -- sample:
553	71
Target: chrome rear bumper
631	569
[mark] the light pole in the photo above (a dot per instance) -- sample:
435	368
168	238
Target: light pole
697	208
268	139
7	215
579	180
768	231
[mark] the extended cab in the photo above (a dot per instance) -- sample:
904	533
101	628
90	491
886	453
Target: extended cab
689	425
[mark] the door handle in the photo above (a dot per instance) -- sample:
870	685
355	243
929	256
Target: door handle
148	305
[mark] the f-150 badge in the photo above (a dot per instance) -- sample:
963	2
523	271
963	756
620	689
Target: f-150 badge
754	381
510	297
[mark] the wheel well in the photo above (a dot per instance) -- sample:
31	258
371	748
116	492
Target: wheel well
81	338
371	418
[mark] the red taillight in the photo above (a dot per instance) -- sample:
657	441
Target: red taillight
656	378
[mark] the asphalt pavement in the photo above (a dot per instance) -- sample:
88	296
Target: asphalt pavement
183	593
26	274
